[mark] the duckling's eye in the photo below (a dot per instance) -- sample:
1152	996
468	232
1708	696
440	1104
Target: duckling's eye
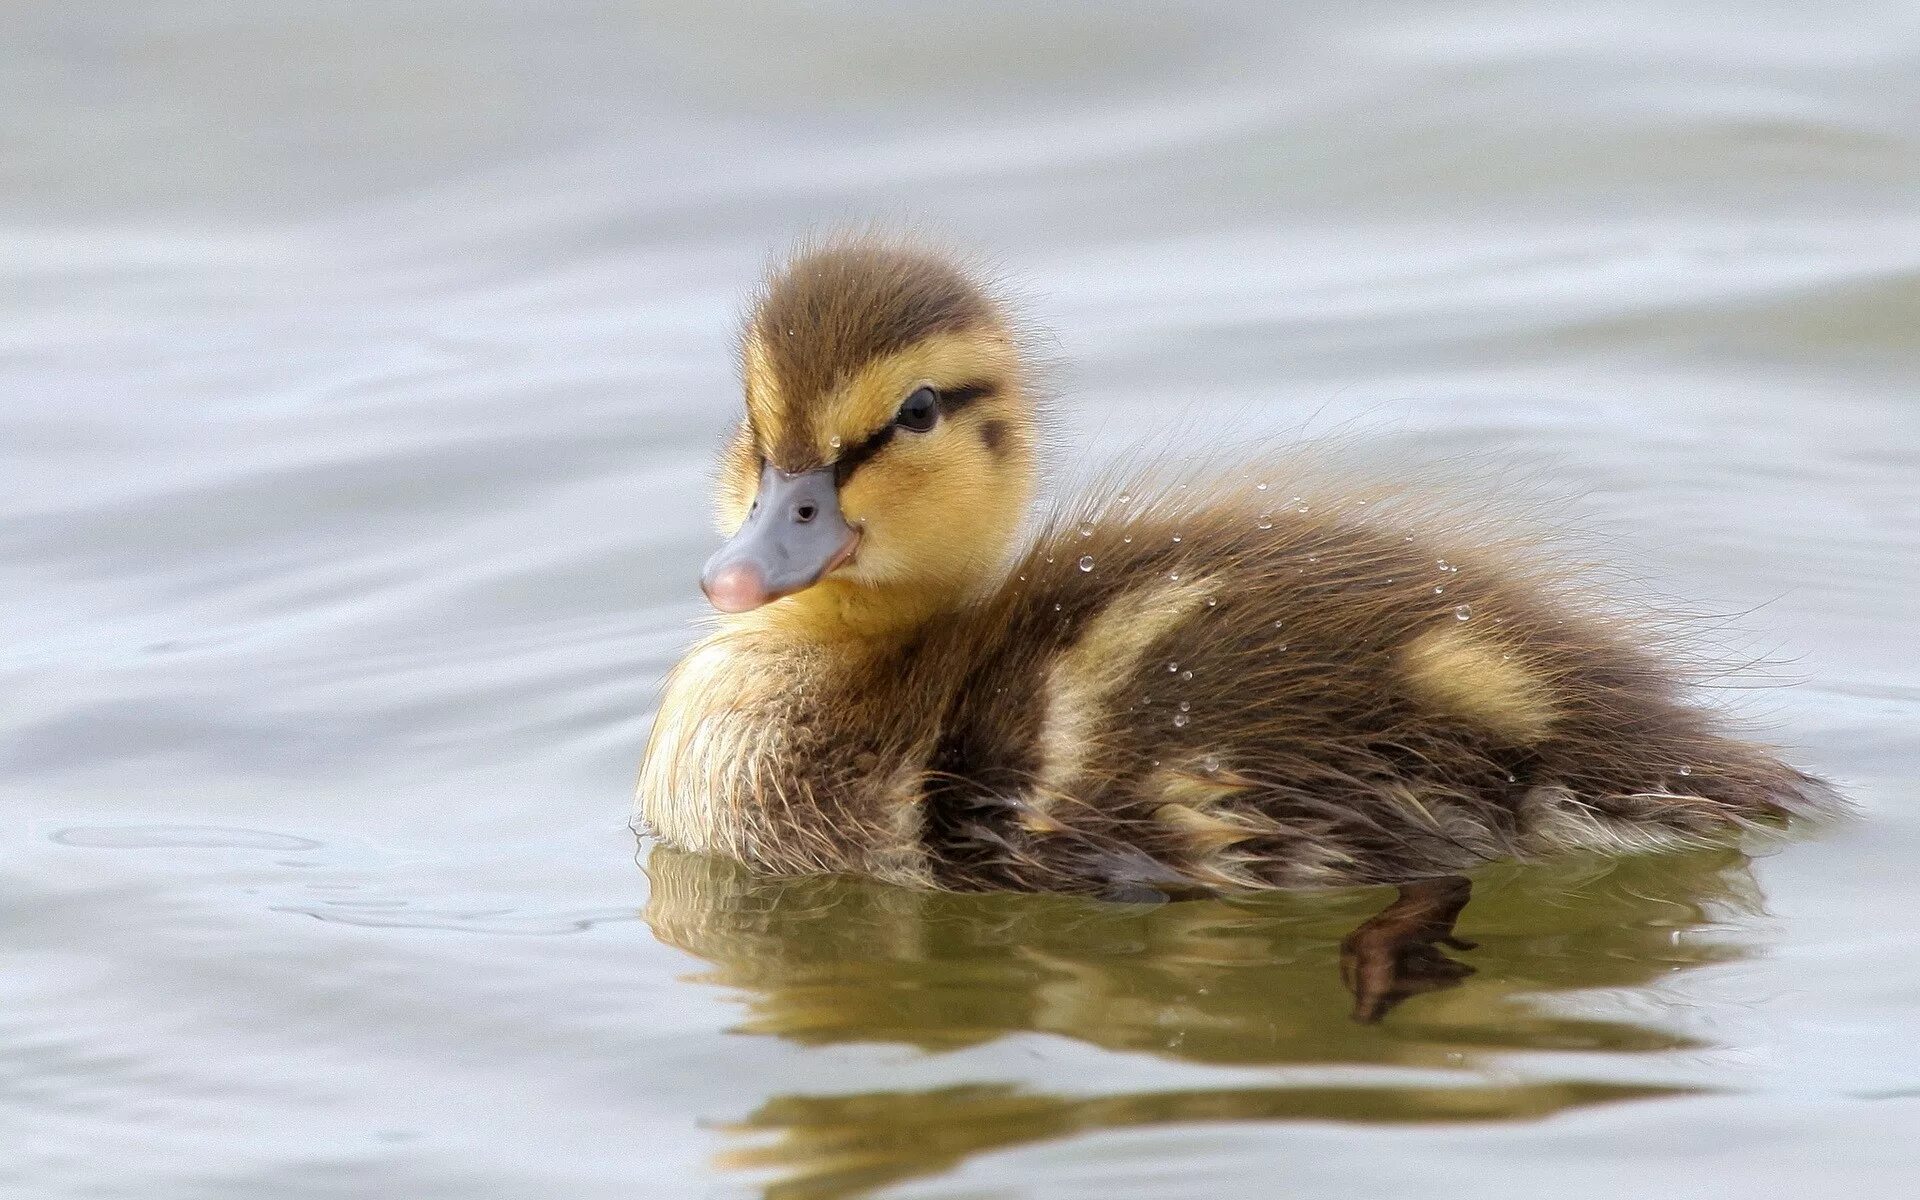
920	411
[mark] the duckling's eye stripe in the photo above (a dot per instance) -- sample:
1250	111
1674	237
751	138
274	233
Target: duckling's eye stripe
851	459
952	400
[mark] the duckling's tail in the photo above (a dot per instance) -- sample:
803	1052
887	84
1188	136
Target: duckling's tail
1759	796
1810	800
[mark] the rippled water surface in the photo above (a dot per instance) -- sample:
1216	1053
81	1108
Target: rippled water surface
361	363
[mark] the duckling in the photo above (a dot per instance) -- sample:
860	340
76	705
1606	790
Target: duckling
1173	685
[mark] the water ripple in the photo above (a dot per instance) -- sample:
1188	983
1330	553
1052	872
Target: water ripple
179	837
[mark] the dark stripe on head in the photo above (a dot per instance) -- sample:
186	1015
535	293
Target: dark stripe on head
950	402
851	460
955	399
833	310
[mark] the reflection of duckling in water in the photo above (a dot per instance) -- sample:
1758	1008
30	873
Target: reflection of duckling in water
1396	953
1244	981
1174	688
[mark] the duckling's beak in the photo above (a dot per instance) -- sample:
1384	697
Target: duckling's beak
793	535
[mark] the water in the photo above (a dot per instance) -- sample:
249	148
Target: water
361	364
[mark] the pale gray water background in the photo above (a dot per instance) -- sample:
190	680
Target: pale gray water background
361	362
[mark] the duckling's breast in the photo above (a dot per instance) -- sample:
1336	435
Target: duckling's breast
789	758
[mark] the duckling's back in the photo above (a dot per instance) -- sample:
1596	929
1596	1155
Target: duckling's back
1213	691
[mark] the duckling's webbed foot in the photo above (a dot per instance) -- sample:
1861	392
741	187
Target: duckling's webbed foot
1396	952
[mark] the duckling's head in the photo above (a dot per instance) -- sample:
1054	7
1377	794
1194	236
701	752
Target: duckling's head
886	456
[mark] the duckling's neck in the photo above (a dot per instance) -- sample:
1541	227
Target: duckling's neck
835	611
